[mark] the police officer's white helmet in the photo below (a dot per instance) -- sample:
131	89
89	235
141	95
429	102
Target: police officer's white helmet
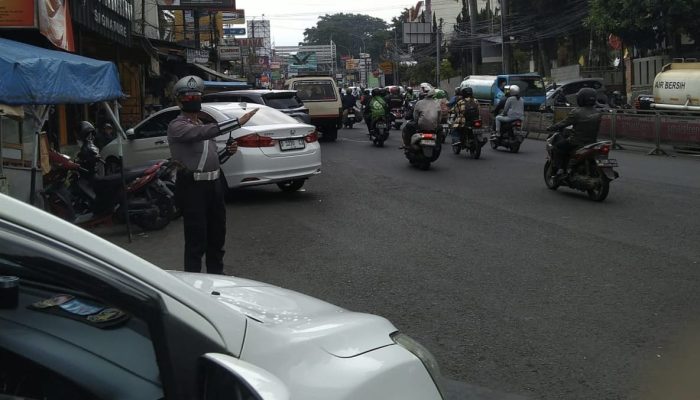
189	84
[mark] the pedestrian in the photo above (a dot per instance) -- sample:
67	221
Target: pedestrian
200	185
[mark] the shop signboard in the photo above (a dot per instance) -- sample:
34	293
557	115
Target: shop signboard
229	53
18	14
233	31
303	60
197	56
111	19
275	65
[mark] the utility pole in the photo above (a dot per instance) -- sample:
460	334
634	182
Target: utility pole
437	64
195	16
472	24
504	56
396	60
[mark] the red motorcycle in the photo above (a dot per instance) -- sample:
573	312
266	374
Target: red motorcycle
472	139
81	196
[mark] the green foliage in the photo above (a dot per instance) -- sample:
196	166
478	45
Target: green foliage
645	23
446	69
352	33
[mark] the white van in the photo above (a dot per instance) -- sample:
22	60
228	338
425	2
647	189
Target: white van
320	95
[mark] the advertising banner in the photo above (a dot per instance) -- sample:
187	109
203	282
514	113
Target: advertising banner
234	17
55	23
203	4
18	14
197	56
111	19
303	60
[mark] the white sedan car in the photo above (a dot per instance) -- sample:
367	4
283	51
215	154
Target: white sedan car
81	318
272	147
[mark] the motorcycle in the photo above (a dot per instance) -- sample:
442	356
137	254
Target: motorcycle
425	148
380	131
512	136
590	168
397	118
78	195
472	139
354	116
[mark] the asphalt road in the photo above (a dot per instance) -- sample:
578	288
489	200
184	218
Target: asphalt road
513	287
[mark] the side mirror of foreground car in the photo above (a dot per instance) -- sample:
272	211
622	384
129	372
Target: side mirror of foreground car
222	377
129	132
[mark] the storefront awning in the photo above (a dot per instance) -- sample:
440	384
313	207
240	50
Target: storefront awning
215	73
34	75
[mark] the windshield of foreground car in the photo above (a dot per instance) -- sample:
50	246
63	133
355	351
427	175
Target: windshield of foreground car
264	116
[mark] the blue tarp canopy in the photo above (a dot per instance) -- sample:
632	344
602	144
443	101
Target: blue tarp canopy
34	75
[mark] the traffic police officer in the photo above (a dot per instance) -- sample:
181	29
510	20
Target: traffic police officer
200	185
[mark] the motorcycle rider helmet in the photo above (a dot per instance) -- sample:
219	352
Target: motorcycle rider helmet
467	92
458	91
409	89
514	90
430	93
376	92
586	97
188	92
506	90
86	131
394	90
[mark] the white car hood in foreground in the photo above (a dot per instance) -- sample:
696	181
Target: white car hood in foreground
339	332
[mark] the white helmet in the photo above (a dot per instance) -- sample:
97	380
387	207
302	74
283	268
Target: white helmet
514	90
430	93
425	87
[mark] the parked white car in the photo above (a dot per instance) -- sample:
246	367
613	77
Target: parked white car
272	147
93	321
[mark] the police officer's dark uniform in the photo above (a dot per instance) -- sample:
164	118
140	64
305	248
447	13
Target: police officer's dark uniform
586	123
200	184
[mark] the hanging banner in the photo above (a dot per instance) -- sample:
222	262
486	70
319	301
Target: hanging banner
18	14
229	53
229	5
111	19
55	23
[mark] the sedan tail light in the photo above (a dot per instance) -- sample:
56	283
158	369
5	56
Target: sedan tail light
255	140
311	137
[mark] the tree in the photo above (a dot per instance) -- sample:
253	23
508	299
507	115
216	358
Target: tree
352	33
647	23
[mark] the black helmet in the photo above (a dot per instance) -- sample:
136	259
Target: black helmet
586	97
467	92
107	125
409	89
458	91
376	92
86	131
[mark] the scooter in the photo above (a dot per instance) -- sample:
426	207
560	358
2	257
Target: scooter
397	117
379	132
472	139
425	148
590	169
78	195
512	136
350	118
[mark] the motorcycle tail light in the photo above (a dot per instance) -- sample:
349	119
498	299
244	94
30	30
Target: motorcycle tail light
311	137
427	136
477	123
517	123
604	149
255	140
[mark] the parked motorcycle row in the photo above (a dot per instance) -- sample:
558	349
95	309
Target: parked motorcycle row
78	191
590	168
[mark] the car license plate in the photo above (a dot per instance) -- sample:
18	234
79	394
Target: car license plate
351	115
292	144
427	142
607	162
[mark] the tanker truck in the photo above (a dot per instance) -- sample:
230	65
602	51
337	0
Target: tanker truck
677	87
487	88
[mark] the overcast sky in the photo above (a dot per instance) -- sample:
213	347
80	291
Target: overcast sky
289	18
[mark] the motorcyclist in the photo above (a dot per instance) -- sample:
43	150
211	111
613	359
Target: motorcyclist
89	154
348	101
453	101
105	136
441	98
394	99
585	120
426	117
513	110
377	107
502	102
409	96
465	112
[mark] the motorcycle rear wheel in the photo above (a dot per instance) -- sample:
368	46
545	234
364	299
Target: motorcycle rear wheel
514	148
548	176
494	145
475	152
601	191
456	148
